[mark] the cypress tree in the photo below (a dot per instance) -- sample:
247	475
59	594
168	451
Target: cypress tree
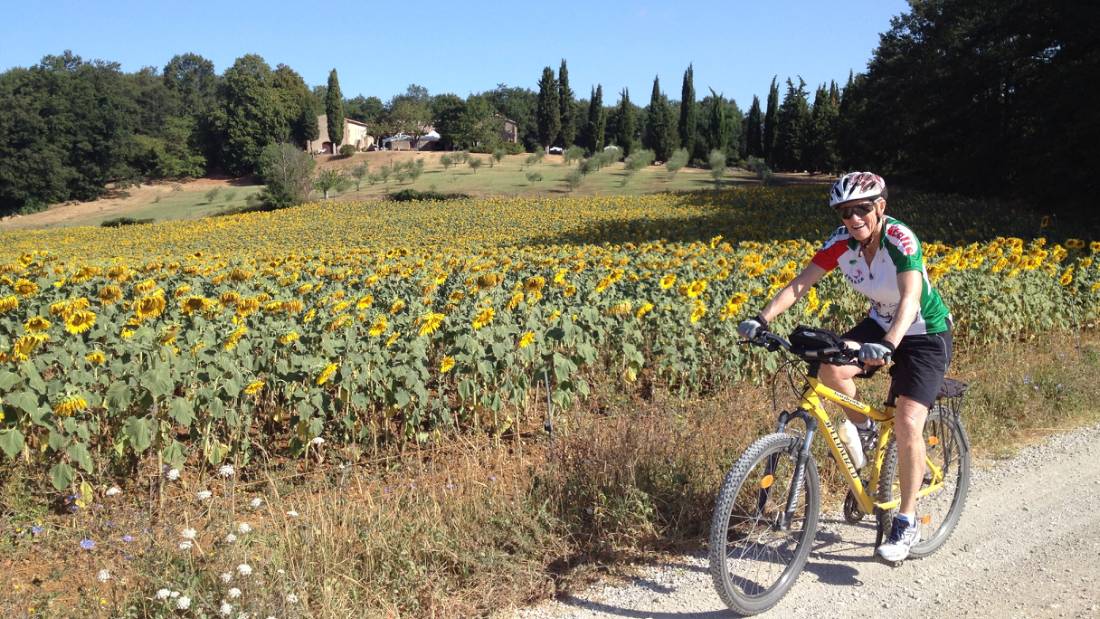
625	136
754	125
656	126
566	107
334	111
822	156
770	118
597	121
688	112
548	113
717	127
792	128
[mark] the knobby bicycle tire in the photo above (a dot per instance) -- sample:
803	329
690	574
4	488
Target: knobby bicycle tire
952	452
745	514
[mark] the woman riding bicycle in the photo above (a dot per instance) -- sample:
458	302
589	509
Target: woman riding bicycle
908	323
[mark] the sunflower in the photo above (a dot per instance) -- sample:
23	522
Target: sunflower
288	337
326	374
148	307
96	357
527	339
483	318
25	345
79	321
145	286
364	302
379	326
698	311
430	322
392	338
254	387
194	304
644	309
339	322
604	283
235	338
514	302
696	288
229	298
446	365
69	405
1066	278
35	324
621	308
668	281
8	303
292	306
110	294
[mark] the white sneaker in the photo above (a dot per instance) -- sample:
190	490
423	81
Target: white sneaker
903	536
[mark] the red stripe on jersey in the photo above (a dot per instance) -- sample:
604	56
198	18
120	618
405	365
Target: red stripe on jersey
828	256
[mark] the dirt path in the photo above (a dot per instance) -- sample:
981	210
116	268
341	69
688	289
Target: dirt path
1027	546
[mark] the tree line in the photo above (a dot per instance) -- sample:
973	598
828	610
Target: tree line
972	97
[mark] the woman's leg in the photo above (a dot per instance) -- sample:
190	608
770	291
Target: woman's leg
908	430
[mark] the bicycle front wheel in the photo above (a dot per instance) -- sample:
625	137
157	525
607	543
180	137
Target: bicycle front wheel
756	552
948	448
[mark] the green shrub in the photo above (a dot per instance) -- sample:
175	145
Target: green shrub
347	150
118	222
410	195
534	177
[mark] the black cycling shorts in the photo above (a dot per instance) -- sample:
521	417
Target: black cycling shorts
920	362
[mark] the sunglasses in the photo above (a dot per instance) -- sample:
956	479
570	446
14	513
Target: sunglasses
860	209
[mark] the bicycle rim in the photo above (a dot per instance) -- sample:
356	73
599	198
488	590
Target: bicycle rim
938	513
754	559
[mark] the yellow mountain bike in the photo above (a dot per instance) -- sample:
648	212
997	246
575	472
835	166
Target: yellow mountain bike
766	514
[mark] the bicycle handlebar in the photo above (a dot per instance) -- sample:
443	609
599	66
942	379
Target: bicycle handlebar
831	355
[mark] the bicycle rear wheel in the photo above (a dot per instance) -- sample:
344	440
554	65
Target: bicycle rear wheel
755	557
938	513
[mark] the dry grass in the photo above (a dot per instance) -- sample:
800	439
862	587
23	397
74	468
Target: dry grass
469	527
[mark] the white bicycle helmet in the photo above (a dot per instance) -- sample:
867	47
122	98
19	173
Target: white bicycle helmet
857	186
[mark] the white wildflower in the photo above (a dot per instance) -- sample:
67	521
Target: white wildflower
230	538
244	528
318	441
163	594
234	593
244	569
256	503
103	576
291	598
183	603
225	470
113	491
292	514
172	474
188	533
226	577
280	572
225	609
185	545
204	494
174	594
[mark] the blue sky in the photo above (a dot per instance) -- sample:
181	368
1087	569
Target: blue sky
465	46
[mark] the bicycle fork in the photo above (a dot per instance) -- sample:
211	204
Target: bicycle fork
787	516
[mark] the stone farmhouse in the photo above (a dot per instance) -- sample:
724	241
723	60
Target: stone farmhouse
355	133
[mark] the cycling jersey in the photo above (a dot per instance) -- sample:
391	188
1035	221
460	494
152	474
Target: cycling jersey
899	251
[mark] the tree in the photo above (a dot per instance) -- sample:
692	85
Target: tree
677	161
566	107
716	161
625	135
793	126
688	112
254	116
409	113
328	180
297	104
447	116
334	111
518	105
367	110
717	126
657	127
770	120
287	172
360	171
754	125
549	116
597	121
821	142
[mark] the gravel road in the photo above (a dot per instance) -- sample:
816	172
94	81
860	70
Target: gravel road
1027	546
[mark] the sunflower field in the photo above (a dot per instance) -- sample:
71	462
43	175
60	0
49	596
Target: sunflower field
372	324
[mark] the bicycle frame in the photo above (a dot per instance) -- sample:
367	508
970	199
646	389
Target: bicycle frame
813	413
